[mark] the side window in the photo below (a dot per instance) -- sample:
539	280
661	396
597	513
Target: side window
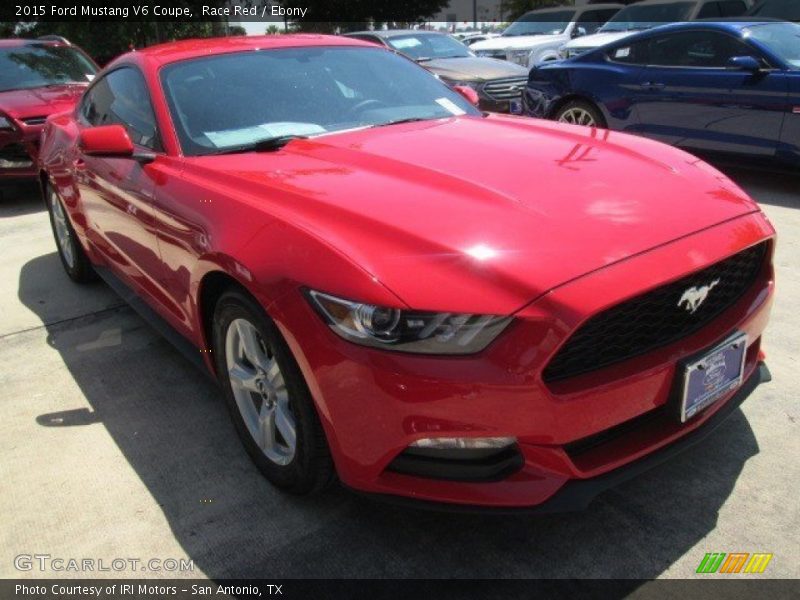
592	20
732	8
121	97
368	38
699	49
630	54
710	10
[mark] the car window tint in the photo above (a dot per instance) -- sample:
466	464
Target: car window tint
631	54
732	8
694	49
121	98
592	20
710	10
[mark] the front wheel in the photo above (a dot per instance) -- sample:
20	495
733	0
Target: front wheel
267	396
580	112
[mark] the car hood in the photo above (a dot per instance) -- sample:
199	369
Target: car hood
516	42
481	214
473	68
40	102
598	39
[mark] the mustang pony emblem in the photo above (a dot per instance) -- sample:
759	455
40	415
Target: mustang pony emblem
695	296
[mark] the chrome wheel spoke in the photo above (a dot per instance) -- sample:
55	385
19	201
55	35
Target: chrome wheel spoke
243	377
267	440
260	392
251	345
284	421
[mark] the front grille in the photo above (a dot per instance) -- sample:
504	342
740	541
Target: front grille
34	120
505	89
14	156
655	319
500	54
458	464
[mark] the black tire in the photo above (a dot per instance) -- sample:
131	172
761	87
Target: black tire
311	467
587	107
77	264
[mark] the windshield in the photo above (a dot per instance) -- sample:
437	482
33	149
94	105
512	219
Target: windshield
786	10
638	17
38	65
234	100
427	46
783	39
540	23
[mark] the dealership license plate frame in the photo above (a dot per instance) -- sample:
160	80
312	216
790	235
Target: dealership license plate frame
703	387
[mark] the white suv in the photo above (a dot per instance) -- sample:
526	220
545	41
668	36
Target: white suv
650	13
537	35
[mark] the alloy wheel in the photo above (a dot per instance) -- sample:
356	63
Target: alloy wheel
577	116
62	230
259	388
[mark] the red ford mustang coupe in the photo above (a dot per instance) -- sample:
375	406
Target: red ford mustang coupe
38	78
393	288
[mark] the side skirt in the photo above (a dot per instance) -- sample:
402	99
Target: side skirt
156	321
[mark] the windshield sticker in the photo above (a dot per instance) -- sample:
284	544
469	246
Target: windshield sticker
403	43
450	106
248	135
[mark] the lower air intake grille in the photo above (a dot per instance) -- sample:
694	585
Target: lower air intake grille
657	318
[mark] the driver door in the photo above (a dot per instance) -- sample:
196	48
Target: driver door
689	96
117	192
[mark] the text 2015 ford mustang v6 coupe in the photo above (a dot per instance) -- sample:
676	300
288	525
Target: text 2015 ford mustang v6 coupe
392	287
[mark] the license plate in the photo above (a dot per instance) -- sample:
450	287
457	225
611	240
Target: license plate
515	107
708	378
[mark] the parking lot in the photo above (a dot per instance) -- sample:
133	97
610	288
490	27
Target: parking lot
113	445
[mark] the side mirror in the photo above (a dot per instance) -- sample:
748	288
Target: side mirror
579	32
745	63
110	141
468	93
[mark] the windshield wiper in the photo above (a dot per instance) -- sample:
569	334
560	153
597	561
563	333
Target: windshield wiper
399	121
266	145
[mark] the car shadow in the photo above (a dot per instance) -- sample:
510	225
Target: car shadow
19	199
171	425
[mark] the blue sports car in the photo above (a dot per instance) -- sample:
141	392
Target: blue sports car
729	86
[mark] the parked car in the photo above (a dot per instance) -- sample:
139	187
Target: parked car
37	78
652	13
478	37
498	83
729	87
787	10
537	35
379	303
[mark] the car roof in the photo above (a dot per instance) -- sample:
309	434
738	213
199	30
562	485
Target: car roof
732	25
196	48
390	33
19	42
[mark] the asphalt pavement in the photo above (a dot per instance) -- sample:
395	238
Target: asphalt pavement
112	445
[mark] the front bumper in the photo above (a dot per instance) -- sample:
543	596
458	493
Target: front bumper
578	494
374	404
18	151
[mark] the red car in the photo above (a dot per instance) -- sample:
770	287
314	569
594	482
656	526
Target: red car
38	78
392	287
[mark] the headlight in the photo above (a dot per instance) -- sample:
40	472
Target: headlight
407	330
5	123
452	82
519	56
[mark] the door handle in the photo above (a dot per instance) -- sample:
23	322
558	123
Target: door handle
654	86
